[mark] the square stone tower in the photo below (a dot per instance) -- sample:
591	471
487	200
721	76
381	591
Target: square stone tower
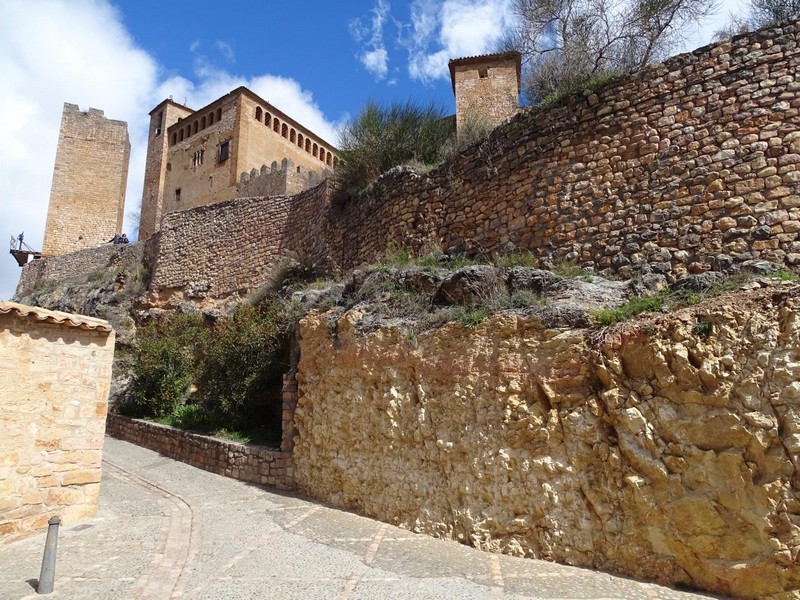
486	87
87	197
155	171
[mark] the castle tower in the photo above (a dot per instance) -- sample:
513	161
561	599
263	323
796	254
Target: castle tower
87	197
486	88
161	117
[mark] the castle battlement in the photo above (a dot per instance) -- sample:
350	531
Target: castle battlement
278	179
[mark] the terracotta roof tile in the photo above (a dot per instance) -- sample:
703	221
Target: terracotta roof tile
52	316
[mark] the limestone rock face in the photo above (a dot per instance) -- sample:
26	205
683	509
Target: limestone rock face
665	449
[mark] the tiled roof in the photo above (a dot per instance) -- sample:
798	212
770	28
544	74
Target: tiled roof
52	316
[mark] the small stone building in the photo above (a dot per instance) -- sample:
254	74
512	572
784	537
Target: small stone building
486	88
55	374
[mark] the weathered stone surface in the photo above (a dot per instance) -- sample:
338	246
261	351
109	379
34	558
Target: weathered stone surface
666	450
476	284
55	372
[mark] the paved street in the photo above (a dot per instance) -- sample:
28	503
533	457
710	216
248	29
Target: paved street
168	530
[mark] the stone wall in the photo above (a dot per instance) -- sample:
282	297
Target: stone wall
486	88
692	160
87	197
55	372
666	450
256	464
77	264
282	179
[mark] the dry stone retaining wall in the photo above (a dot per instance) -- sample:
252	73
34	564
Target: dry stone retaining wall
256	464
695	159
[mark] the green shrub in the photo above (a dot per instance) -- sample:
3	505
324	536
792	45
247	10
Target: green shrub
382	137
632	307
239	375
162	367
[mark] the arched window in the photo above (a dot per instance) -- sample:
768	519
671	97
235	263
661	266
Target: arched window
329	159
277	126
258	114
211	118
188	131
314	151
203	123
292	136
195	126
174	138
267	119
219	114
308	145
181	135
300	140
335	162
284	130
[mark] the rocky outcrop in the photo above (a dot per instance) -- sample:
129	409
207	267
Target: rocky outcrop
664	449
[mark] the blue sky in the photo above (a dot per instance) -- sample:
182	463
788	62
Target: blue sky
319	61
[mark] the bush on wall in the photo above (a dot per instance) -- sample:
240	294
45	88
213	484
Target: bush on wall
210	377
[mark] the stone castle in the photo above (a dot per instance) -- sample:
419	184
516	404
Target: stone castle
237	146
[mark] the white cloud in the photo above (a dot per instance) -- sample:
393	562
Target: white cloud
78	51
440	31
373	55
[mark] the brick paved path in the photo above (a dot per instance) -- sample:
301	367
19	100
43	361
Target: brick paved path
168	530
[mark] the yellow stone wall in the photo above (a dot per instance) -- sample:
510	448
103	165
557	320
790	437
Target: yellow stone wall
54	384
87	197
247	123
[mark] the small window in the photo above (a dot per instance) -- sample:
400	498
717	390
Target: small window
174	138
284	130
177	194
159	122
224	150
203	123
194	127
219	114
211	118
300	140
483	72
267	119
292	136
258	113
197	158
277	126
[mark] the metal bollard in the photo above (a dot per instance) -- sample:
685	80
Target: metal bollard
48	573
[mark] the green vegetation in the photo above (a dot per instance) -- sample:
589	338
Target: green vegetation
215	376
631	308
570	270
382	137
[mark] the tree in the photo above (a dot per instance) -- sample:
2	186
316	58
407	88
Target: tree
567	43
760	14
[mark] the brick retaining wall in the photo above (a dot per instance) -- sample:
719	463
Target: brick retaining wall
245	462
